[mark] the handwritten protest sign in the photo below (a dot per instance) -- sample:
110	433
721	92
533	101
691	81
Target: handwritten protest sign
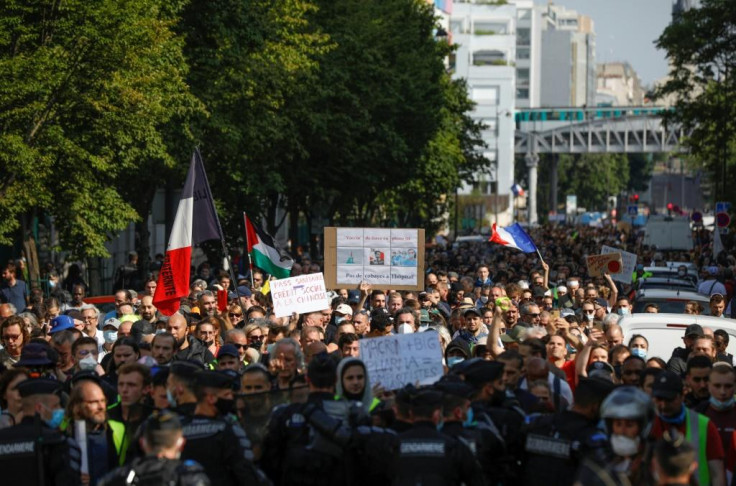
629	264
600	264
302	294
395	361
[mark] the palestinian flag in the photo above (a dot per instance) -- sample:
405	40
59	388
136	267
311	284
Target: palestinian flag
265	253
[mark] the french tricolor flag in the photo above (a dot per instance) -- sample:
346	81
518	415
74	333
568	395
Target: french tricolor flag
195	222
513	236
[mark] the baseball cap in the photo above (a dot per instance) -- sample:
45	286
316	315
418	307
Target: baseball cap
515	335
601	302
353	296
61	323
566	312
424	316
114	322
694	329
34	354
242	290
344	309
599	366
228	350
472	310
667	385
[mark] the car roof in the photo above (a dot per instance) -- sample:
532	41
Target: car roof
671	280
632	321
670	294
672	270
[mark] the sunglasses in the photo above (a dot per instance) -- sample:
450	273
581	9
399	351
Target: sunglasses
235	315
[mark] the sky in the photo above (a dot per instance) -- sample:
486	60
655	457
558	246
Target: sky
626	31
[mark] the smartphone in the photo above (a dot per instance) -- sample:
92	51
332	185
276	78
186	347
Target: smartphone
555	313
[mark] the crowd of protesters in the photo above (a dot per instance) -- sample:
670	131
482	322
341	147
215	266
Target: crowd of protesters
541	386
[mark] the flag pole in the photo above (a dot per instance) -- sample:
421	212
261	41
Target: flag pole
219	230
250	262
540	255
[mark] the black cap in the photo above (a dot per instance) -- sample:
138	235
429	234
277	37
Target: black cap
454	385
38	386
597	386
185	368
427	397
601	302
472	310
85	375
667	385
694	329
599	366
458	344
228	350
35	354
483	372
214	379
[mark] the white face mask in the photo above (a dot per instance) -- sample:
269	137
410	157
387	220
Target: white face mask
590	317
88	363
624	446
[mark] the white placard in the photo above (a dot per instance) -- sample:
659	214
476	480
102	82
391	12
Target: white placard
377	274
302	294
397	360
348	274
378	237
406	238
403	276
629	264
80	435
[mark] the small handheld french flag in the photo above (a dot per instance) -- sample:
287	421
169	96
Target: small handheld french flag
513	236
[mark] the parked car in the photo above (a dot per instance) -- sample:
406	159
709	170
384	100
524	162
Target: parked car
669	301
665	331
666	284
671	272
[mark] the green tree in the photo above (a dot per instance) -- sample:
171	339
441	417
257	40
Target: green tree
700	47
86	89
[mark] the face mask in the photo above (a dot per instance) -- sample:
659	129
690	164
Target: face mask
453	360
57	416
624	446
640	352
623	312
52	284
468	418
338	320
160	331
170	398
88	363
721	406
590	317
484	298
110	336
224	405
207	344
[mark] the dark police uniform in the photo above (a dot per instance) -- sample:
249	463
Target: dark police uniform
428	457
557	444
294	453
219	444
32	453
155	471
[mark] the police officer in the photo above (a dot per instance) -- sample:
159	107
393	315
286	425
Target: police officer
459	422
628	413
556	444
35	452
294	452
180	386
213	436
428	457
162	442
496	412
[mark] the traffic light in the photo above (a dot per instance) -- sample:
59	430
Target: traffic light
669	206
636	198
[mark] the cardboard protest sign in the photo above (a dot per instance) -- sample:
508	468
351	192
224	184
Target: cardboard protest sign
302	294
600	264
629	264
395	361
386	258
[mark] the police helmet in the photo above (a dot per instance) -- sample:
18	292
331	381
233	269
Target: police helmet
628	402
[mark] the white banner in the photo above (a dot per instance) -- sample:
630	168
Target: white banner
397	360
302	294
629	264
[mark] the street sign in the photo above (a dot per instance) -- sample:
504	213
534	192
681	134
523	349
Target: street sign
722	207
633	210
723	220
696	216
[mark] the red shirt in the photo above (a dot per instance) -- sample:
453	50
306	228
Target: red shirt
714	446
725	422
569	369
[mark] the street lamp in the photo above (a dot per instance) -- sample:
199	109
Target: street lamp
507	114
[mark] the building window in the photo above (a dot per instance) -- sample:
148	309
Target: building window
489	58
523	37
523	53
484	94
522	93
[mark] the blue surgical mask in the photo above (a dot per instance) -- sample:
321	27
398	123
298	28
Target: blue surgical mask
721	406
338	320
623	312
640	352
453	360
57	416
468	418
484	298
160	331
170	398
110	336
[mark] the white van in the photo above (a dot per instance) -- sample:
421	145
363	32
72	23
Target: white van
665	331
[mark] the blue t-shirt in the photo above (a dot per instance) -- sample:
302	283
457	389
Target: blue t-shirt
15	295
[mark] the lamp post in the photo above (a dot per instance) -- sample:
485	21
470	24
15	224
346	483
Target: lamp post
532	162
506	114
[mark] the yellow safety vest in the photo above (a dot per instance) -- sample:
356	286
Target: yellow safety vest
119	439
696	432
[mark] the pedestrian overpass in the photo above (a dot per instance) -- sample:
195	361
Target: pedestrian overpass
589	130
594	130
